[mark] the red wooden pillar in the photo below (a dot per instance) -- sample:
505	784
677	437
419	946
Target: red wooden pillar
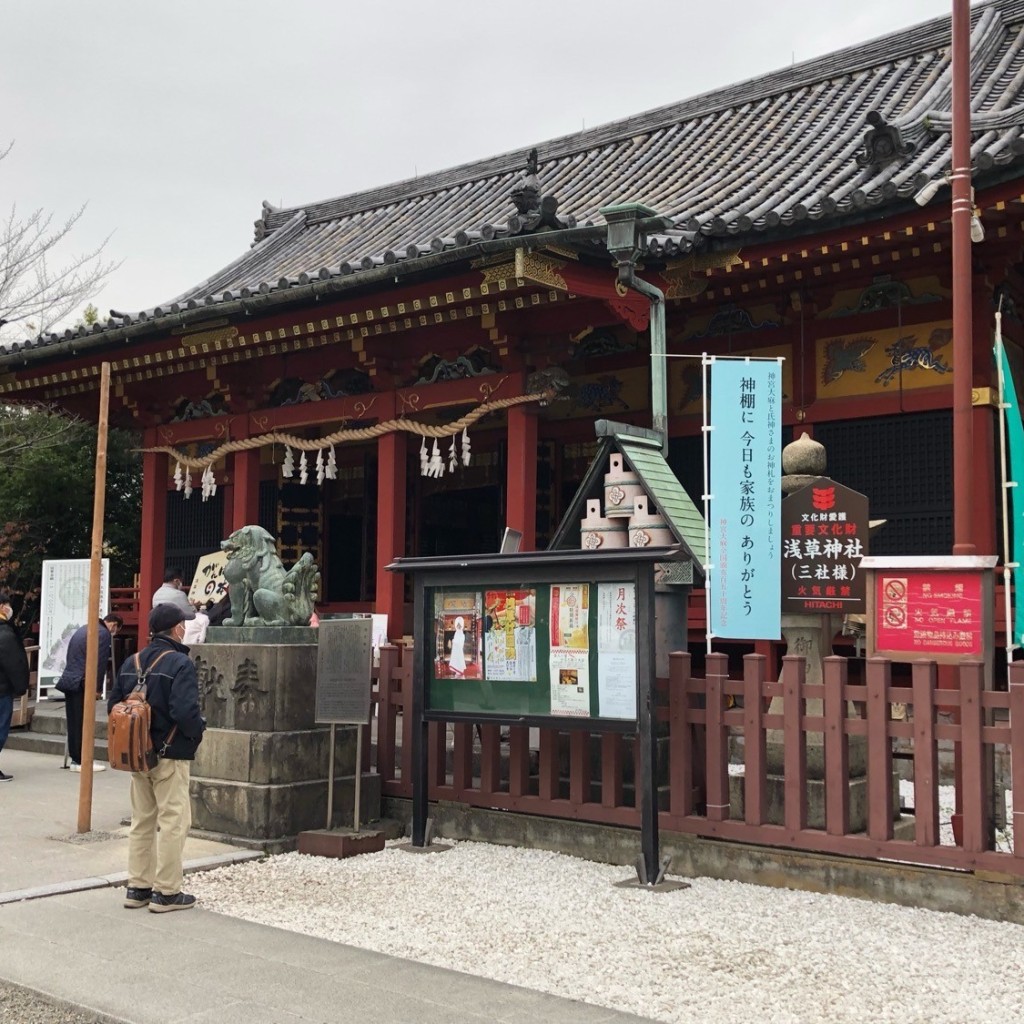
984	480
245	488
521	475
391	468
154	527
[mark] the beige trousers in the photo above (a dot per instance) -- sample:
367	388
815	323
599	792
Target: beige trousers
160	800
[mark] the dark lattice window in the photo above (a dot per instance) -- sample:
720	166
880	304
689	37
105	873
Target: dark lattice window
194	528
268	506
904	464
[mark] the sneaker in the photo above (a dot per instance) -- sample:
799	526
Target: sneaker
75	767
134	898
160	904
98	766
6	778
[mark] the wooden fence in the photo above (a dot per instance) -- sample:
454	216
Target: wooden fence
589	777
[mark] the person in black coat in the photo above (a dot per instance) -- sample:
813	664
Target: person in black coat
13	670
72	681
161	810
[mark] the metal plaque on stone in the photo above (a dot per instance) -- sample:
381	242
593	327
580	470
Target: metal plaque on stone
344	664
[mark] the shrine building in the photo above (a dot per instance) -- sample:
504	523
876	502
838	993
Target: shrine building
410	369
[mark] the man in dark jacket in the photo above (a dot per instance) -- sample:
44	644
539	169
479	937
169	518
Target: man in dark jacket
161	811
13	670
72	682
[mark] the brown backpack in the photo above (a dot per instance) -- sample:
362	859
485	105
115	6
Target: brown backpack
129	742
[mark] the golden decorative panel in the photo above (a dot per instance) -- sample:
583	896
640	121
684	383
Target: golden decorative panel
893	359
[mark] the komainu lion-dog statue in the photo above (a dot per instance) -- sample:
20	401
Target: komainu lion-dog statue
261	592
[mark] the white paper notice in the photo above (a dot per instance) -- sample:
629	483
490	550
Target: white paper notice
569	661
616	650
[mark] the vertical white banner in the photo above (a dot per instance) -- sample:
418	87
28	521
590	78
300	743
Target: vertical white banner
63	607
746	436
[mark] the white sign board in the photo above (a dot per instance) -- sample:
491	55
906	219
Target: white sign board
64	606
209	584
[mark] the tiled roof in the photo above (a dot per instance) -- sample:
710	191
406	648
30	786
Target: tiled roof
783	152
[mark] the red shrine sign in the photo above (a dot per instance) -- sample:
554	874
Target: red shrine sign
926	608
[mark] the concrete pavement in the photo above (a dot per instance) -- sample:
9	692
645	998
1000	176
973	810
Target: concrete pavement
64	933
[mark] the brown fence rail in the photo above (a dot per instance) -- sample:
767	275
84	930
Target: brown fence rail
748	759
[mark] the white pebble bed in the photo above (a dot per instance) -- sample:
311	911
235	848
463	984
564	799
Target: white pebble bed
716	952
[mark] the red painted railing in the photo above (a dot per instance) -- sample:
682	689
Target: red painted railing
589	777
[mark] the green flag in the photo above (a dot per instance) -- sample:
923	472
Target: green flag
1015	451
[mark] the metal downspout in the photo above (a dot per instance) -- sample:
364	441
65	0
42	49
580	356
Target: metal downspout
659	374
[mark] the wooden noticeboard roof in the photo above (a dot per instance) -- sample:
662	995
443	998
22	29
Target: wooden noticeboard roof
641	448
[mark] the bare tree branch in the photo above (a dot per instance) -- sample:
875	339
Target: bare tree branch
39	285
32	425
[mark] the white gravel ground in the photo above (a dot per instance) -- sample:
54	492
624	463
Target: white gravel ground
717	952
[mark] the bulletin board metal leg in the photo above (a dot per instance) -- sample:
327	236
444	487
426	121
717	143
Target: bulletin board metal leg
647	727
419	781
330	779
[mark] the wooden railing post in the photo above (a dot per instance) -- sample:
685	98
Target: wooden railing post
879	673
755	789
1017	754
717	738
926	756
390	657
518	760
680	753
976	802
794	742
837	748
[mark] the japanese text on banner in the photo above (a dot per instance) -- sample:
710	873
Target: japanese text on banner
745	581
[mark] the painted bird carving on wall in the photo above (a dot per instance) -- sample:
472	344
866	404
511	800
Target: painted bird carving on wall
844	354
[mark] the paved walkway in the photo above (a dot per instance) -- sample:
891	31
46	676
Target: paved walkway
64	934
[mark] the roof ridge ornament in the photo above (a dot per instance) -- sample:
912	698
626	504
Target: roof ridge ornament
883	143
262	225
534	211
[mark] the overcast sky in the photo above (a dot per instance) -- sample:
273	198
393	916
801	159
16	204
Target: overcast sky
173	120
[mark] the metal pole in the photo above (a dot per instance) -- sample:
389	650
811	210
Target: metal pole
1008	563
963	206
92	642
705	446
330	778
647	723
359	776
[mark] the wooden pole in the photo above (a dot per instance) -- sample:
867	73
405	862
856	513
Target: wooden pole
92	637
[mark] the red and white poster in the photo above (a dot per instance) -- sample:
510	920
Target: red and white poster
933	612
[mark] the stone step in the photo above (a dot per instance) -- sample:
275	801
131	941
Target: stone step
47	730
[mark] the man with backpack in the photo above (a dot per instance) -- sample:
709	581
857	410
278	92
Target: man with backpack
161	810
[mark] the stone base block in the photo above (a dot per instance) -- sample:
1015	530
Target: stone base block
259	811
815	801
274	758
339	843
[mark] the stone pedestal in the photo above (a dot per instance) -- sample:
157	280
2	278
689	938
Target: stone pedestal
810	637
261	770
